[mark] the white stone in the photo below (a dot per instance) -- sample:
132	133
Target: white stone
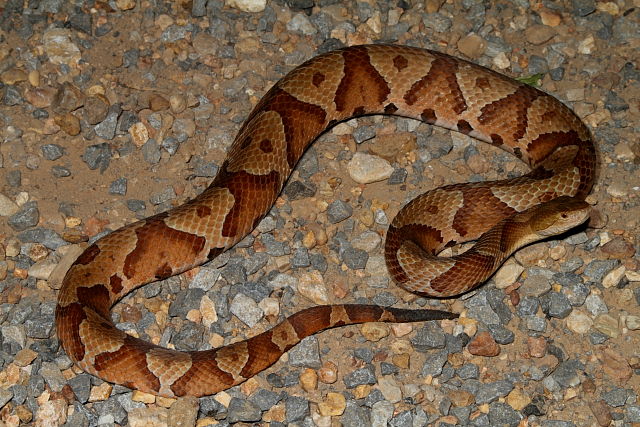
247	5
508	274
246	309
366	168
613	277
579	322
59	47
7	206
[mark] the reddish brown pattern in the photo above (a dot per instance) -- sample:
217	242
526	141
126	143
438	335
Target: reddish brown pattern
362	88
237	199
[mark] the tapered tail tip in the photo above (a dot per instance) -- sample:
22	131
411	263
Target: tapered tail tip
404	315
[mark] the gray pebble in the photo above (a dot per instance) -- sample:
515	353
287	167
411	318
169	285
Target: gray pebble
361	376
81	386
107	128
242	410
437	22
338	211
597	337
296	408
14	178
189	337
5	396
60	171
135	205
537	324
300	258
355	415
299	190
488	392
97	156
468	371
616	397
615	103
185	300
501	414
52	376
528	306
576	293
163	196
557	74
399	176
52	151
428	337
47	237
81	21
151	152
364	133
273	246
535	285
501	334
595	305
597	269
355	259
566	373
119	187
265	399
385	299
28	216
363	353
434	363
306	354
110	407
171	145
632	413
583	7
555	304
11	96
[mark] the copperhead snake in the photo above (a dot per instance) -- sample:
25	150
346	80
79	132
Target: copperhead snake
330	88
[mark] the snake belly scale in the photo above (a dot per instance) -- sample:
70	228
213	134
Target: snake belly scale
350	82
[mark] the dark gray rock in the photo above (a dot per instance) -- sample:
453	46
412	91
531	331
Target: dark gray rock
338	211
28	216
366	375
242	410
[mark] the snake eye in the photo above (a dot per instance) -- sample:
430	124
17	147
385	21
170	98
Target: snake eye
564	216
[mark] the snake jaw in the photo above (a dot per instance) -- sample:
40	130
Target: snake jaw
560	215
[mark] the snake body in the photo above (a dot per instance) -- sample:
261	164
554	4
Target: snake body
350	82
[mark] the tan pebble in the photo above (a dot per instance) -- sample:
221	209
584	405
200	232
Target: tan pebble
49	127
20	273
276	413
40	97
216	340
100	392
613	277
537	346
139	134
484	345
38	252
470	326
616	366
126	4
333	405
223	398
69	124
250	386
96	108
570	393
206	421
140	396
183	412
24	413
24	357
208	311
178	103
194	315
549	18
608	325
374	331
158	102
12	247
579	322
13	76
308	380
517	399
401	329
147	417
309	240
270	307
401	360
472	45
328	373
163	21
311	286
362	391
165	402
538	34
508	274
72	221
601	411
461	398
34	78
557	252
632	322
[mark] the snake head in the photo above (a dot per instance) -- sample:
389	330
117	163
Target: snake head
559	215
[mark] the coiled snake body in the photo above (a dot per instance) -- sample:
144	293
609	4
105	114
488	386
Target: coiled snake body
355	81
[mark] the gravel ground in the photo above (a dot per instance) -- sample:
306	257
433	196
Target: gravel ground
114	110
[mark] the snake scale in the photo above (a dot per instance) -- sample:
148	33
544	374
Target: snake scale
355	81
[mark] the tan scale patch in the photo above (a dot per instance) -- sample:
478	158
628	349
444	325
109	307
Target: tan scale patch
284	335
339	316
232	359
168	366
